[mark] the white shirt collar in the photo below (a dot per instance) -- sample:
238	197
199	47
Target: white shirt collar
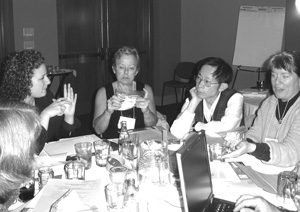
208	112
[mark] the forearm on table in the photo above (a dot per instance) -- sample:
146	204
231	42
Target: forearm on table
226	123
100	124
182	125
150	118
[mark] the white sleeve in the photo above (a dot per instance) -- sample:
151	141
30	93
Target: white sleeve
183	123
231	119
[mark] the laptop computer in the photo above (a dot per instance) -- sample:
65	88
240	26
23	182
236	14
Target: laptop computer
195	177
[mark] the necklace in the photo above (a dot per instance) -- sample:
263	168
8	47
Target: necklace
284	111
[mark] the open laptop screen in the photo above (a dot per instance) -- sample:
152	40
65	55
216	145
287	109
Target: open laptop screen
194	172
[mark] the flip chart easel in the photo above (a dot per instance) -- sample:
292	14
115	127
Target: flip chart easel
259	35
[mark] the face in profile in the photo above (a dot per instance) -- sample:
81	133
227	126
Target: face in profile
40	82
207	86
285	84
126	69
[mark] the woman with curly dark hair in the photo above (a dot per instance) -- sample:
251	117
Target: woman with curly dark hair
24	78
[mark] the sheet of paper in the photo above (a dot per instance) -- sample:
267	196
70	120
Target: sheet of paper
231	191
152	134
255	95
66	146
265	181
258	165
223	172
91	193
46	160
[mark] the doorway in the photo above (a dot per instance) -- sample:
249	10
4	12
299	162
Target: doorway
89	33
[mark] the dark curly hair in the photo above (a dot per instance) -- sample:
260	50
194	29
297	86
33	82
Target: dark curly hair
16	74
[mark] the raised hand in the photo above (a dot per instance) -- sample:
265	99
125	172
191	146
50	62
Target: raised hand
71	100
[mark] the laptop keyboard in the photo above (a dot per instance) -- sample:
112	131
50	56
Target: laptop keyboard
219	205
224	207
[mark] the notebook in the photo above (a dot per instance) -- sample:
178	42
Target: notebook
195	177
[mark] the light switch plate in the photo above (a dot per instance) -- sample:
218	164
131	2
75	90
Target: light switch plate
28	32
28	44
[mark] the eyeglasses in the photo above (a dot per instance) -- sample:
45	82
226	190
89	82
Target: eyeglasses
206	82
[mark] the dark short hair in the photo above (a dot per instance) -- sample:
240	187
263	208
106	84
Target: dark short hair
223	73
287	60
17	72
126	50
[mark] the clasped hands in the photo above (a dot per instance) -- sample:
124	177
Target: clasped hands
116	101
63	106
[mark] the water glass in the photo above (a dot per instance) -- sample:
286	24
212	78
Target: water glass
118	174
101	152
75	170
216	151
115	196
287	184
130	147
84	153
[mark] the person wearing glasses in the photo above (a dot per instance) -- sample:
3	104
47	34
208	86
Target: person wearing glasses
212	106
114	102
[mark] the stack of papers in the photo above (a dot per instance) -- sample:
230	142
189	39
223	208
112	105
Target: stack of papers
66	146
89	195
254	93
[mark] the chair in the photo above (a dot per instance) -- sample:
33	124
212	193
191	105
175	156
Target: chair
183	70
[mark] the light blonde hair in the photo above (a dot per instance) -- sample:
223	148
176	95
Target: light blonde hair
19	129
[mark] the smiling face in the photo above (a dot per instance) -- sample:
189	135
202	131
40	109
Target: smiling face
285	84
205	75
40	82
126	69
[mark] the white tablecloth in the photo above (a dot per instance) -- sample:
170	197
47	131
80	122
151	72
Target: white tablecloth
251	104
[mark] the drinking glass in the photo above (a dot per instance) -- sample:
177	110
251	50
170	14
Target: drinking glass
84	153
101	152
130	147
118	174
115	196
130	150
216	151
75	170
287	184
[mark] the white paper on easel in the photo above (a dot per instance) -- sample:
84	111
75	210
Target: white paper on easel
259	34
